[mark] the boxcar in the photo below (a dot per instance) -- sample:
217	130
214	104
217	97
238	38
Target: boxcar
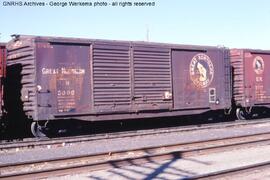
251	82
93	80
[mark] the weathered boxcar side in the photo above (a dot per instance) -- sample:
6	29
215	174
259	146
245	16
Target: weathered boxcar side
95	80
251	82
2	75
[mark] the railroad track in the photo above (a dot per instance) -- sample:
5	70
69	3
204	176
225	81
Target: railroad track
50	143
91	162
229	173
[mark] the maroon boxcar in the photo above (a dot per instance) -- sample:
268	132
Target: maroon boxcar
2	75
86	79
251	81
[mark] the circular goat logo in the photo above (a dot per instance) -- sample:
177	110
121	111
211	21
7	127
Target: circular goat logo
258	65
201	70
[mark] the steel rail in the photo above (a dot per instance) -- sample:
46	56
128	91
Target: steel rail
229	173
76	164
33	143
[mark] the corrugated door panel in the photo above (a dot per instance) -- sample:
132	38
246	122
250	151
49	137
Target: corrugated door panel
237	63
22	53
111	77
152	78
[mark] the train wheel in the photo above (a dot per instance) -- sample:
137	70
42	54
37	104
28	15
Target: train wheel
241	114
37	130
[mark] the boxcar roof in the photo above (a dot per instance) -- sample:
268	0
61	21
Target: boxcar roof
117	42
257	51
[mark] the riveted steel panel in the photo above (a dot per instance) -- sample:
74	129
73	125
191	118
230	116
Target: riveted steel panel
63	81
201	79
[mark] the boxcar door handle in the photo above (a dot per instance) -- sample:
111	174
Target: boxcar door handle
47	91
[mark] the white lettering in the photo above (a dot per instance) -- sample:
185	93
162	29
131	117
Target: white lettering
63	70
